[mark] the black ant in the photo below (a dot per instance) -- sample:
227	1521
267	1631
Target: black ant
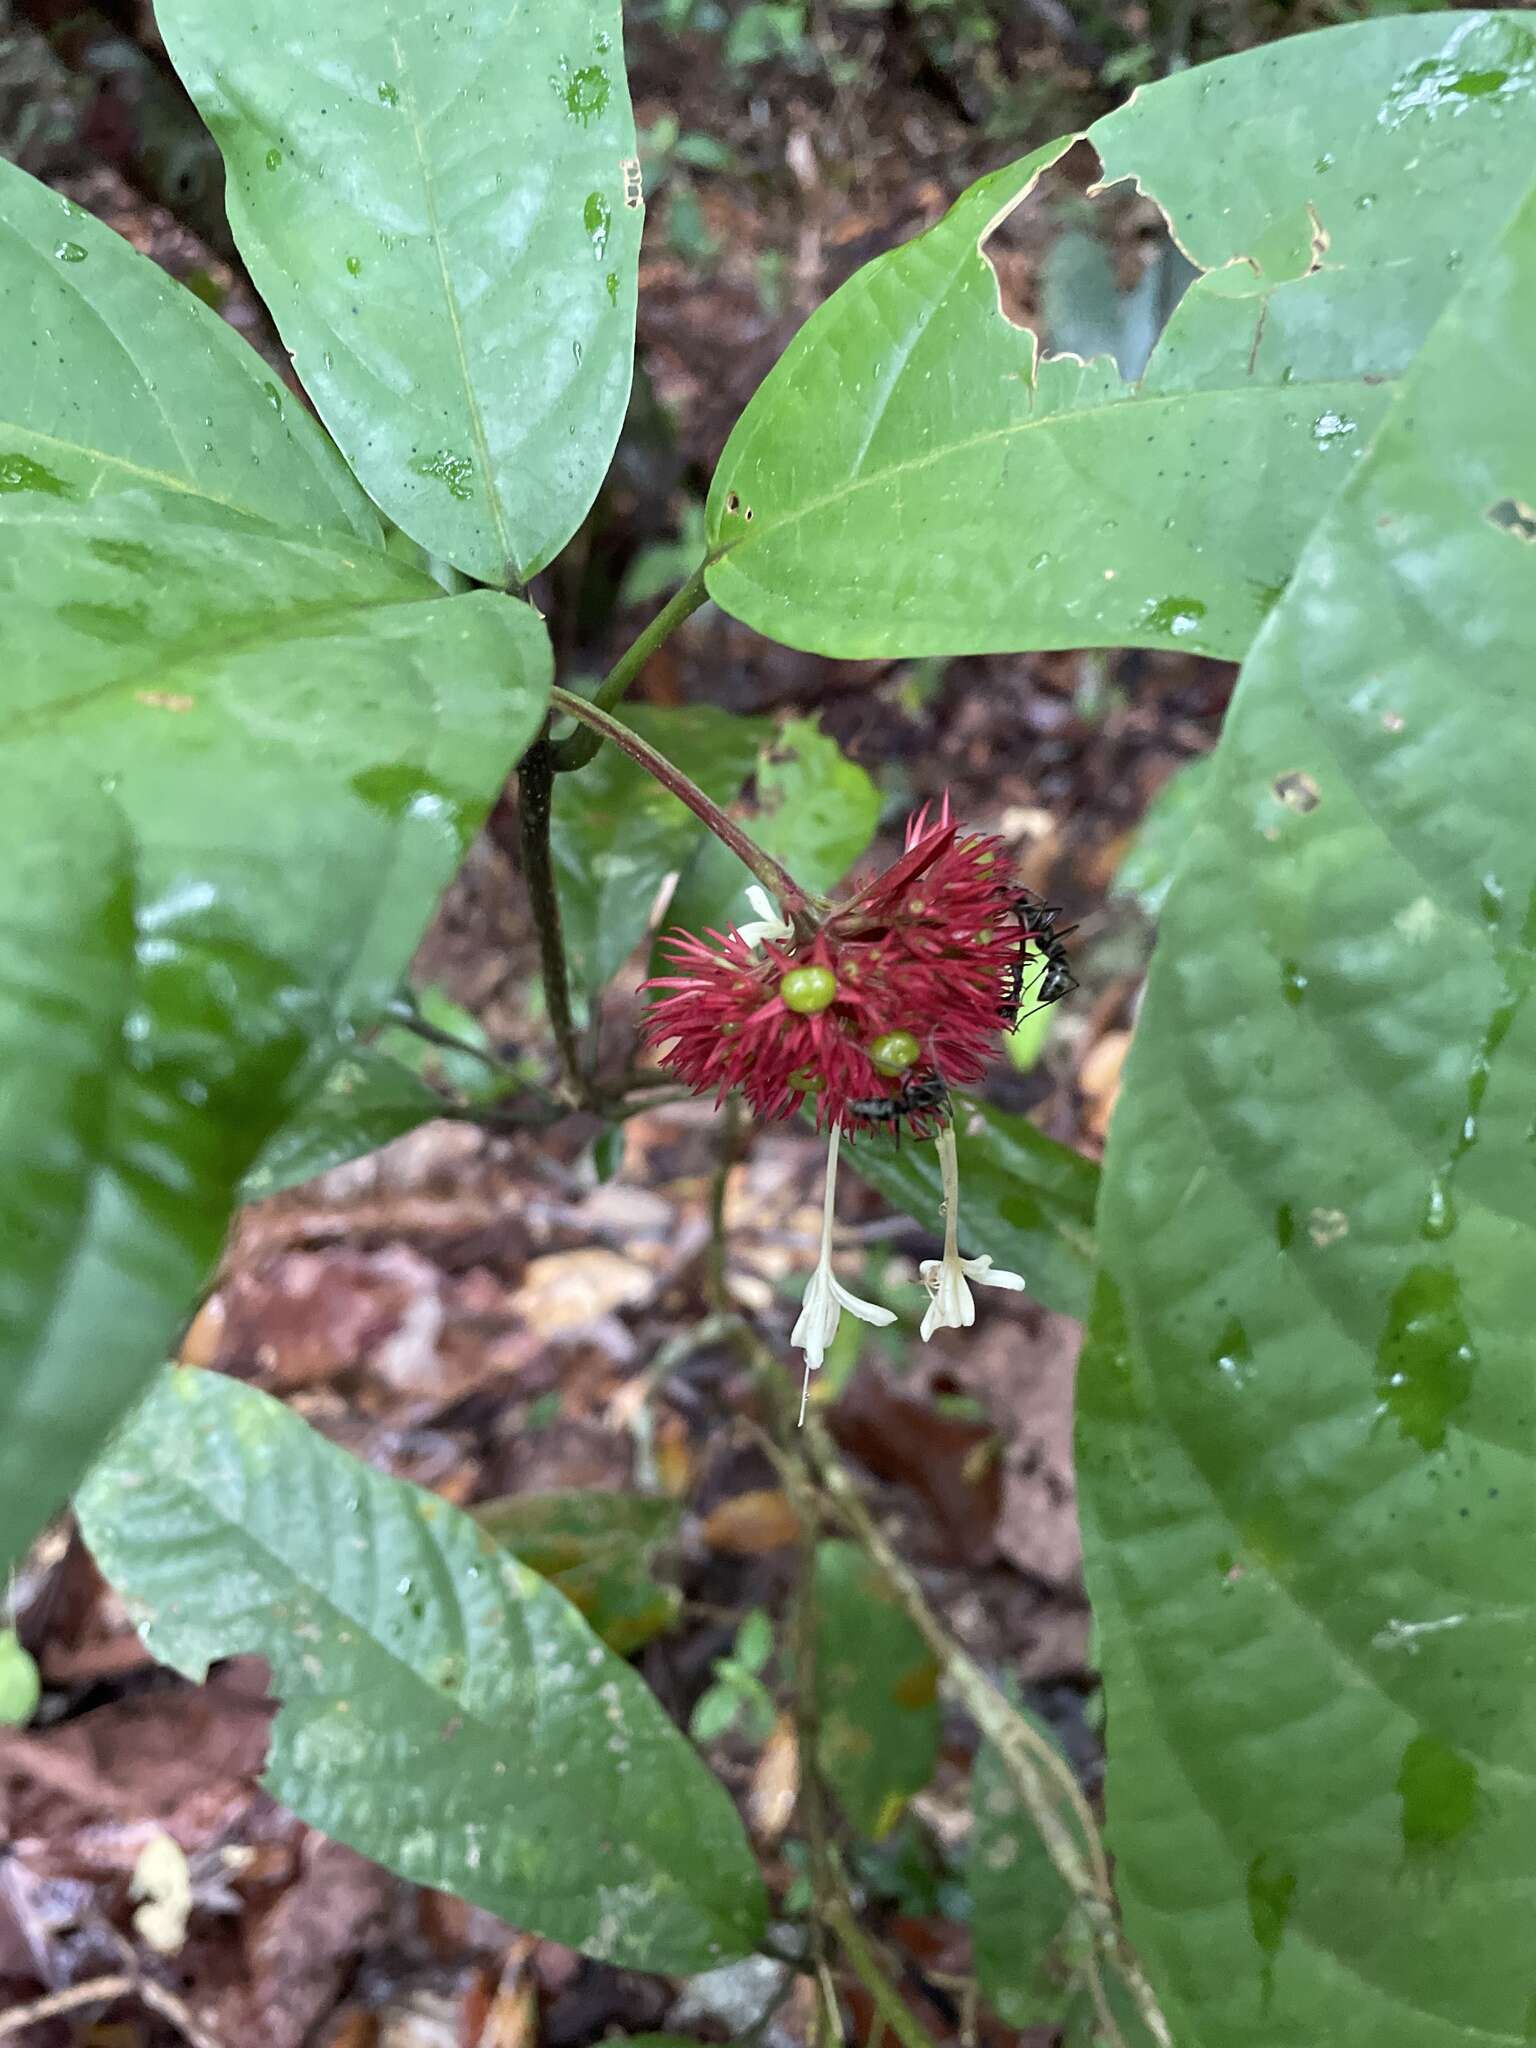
1054	977
927	1097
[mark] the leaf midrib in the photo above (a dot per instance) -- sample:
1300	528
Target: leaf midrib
762	528
455	316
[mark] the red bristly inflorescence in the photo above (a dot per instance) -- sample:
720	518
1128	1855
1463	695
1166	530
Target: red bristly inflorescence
926	955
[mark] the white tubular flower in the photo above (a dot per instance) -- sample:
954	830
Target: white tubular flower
825	1295
768	924
951	1305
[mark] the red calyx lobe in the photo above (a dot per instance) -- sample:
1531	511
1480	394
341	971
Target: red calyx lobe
928	946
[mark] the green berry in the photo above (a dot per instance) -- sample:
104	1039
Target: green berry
803	1079
808	989
894	1053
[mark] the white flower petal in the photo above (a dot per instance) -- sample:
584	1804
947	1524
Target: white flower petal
866	1311
769	922
981	1270
816	1325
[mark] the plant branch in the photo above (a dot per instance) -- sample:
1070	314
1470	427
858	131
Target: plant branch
578	748
777	880
1042	1779
833	1907
107	1991
861	1953
403	1011
1038	1774
536	781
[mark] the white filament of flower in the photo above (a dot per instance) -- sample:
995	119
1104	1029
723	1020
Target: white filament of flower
769	922
825	1296
951	1306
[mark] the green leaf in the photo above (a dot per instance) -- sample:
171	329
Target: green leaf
133	385
876	1692
218	716
1024	1200
1021	1911
365	1100
1146	873
714	1711
816	812
754	1641
444	1710
20	1686
442	210
1307	1435
615	834
599	1549
910	481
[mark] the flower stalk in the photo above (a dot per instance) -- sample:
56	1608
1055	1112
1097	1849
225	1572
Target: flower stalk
951	1306
797	903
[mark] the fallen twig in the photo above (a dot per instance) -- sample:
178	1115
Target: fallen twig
106	1991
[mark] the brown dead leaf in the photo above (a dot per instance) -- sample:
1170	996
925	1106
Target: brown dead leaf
673	1450
749	1524
305	1316
1099	1078
304	1947
948	1462
775	1783
567	1288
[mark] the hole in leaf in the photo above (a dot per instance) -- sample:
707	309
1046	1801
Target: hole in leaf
1514	518
1297	791
1093	272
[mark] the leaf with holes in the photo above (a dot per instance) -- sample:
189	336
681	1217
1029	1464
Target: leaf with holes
910	480
133	385
444	1710
876	1692
1024	1200
1308	1436
616	835
253	712
442	209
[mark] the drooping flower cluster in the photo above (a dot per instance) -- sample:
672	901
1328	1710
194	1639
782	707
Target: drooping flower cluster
871	1013
901	990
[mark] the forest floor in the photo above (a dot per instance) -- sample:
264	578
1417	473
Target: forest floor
478	1312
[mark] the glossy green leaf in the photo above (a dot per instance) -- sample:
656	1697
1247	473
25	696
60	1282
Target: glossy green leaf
1021	1911
367	1099
909	480
444	1710
1146	873
1308	1436
816	811
616	834
442	208
382	1090
122	381
1024	1200
293	745
876	1692
599	1549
